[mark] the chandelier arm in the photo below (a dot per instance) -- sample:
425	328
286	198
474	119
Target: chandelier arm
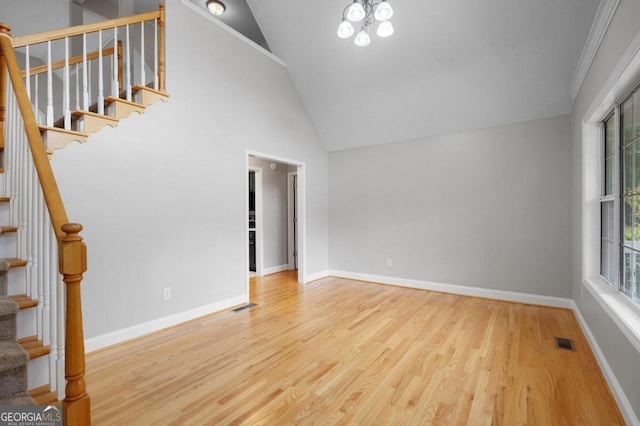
344	11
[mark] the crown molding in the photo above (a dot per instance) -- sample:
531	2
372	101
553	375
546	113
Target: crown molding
601	22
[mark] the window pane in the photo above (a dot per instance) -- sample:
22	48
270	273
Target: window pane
630	134
631	268
609	156
607	245
636	114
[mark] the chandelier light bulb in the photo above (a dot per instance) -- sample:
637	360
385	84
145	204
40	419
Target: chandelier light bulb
345	29
356	12
383	11
385	29
362	39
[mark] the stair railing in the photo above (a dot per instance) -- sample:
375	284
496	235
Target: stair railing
105	70
53	249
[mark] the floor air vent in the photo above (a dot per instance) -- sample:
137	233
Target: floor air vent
564	343
240	308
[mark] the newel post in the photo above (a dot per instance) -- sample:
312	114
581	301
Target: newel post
4	29
73	263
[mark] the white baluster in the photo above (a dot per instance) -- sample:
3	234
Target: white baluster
24	200
155	55
11	112
77	86
128	65
12	142
143	80
61	336
100	77
46	282
53	313
85	92
16	198
28	70
37	96
114	80
41	258
31	184
90	80
49	87
66	102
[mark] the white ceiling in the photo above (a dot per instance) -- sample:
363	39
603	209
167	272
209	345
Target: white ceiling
450	67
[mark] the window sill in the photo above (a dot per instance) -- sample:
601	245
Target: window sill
621	310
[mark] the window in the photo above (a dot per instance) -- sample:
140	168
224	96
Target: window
620	208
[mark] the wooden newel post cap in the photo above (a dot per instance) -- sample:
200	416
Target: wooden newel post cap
4	28
73	252
71	228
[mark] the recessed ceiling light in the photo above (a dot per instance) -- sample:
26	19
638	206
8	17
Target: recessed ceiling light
215	7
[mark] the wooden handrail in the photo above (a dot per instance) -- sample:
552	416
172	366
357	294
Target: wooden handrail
72	61
83	29
72	251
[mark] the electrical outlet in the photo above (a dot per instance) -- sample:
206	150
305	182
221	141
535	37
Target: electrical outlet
166	293
389	261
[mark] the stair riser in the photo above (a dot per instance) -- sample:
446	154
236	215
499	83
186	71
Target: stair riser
8	244
8	327
17	281
27	325
13	381
38	372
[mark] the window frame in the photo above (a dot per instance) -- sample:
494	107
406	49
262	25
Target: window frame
616	196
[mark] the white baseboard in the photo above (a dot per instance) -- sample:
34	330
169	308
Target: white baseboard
316	276
119	336
618	393
510	296
274	269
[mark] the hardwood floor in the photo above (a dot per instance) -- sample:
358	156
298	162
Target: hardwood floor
347	352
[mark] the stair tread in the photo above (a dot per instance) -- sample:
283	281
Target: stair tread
8	306
17	399
57	129
8	229
15	262
138	87
80	113
24	301
12	355
34	347
44	396
111	99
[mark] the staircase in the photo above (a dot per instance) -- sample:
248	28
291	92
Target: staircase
42	256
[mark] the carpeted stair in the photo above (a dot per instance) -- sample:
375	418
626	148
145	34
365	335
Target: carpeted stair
13	359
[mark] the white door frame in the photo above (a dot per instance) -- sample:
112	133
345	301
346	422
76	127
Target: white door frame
301	214
291	235
259	220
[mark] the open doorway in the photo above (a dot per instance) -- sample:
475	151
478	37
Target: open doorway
275	205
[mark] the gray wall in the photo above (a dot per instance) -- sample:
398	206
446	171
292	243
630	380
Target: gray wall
274	218
487	209
162	197
621	356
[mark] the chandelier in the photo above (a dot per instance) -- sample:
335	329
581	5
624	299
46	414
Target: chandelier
366	13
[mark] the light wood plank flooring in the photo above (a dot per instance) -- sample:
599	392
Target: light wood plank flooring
347	352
